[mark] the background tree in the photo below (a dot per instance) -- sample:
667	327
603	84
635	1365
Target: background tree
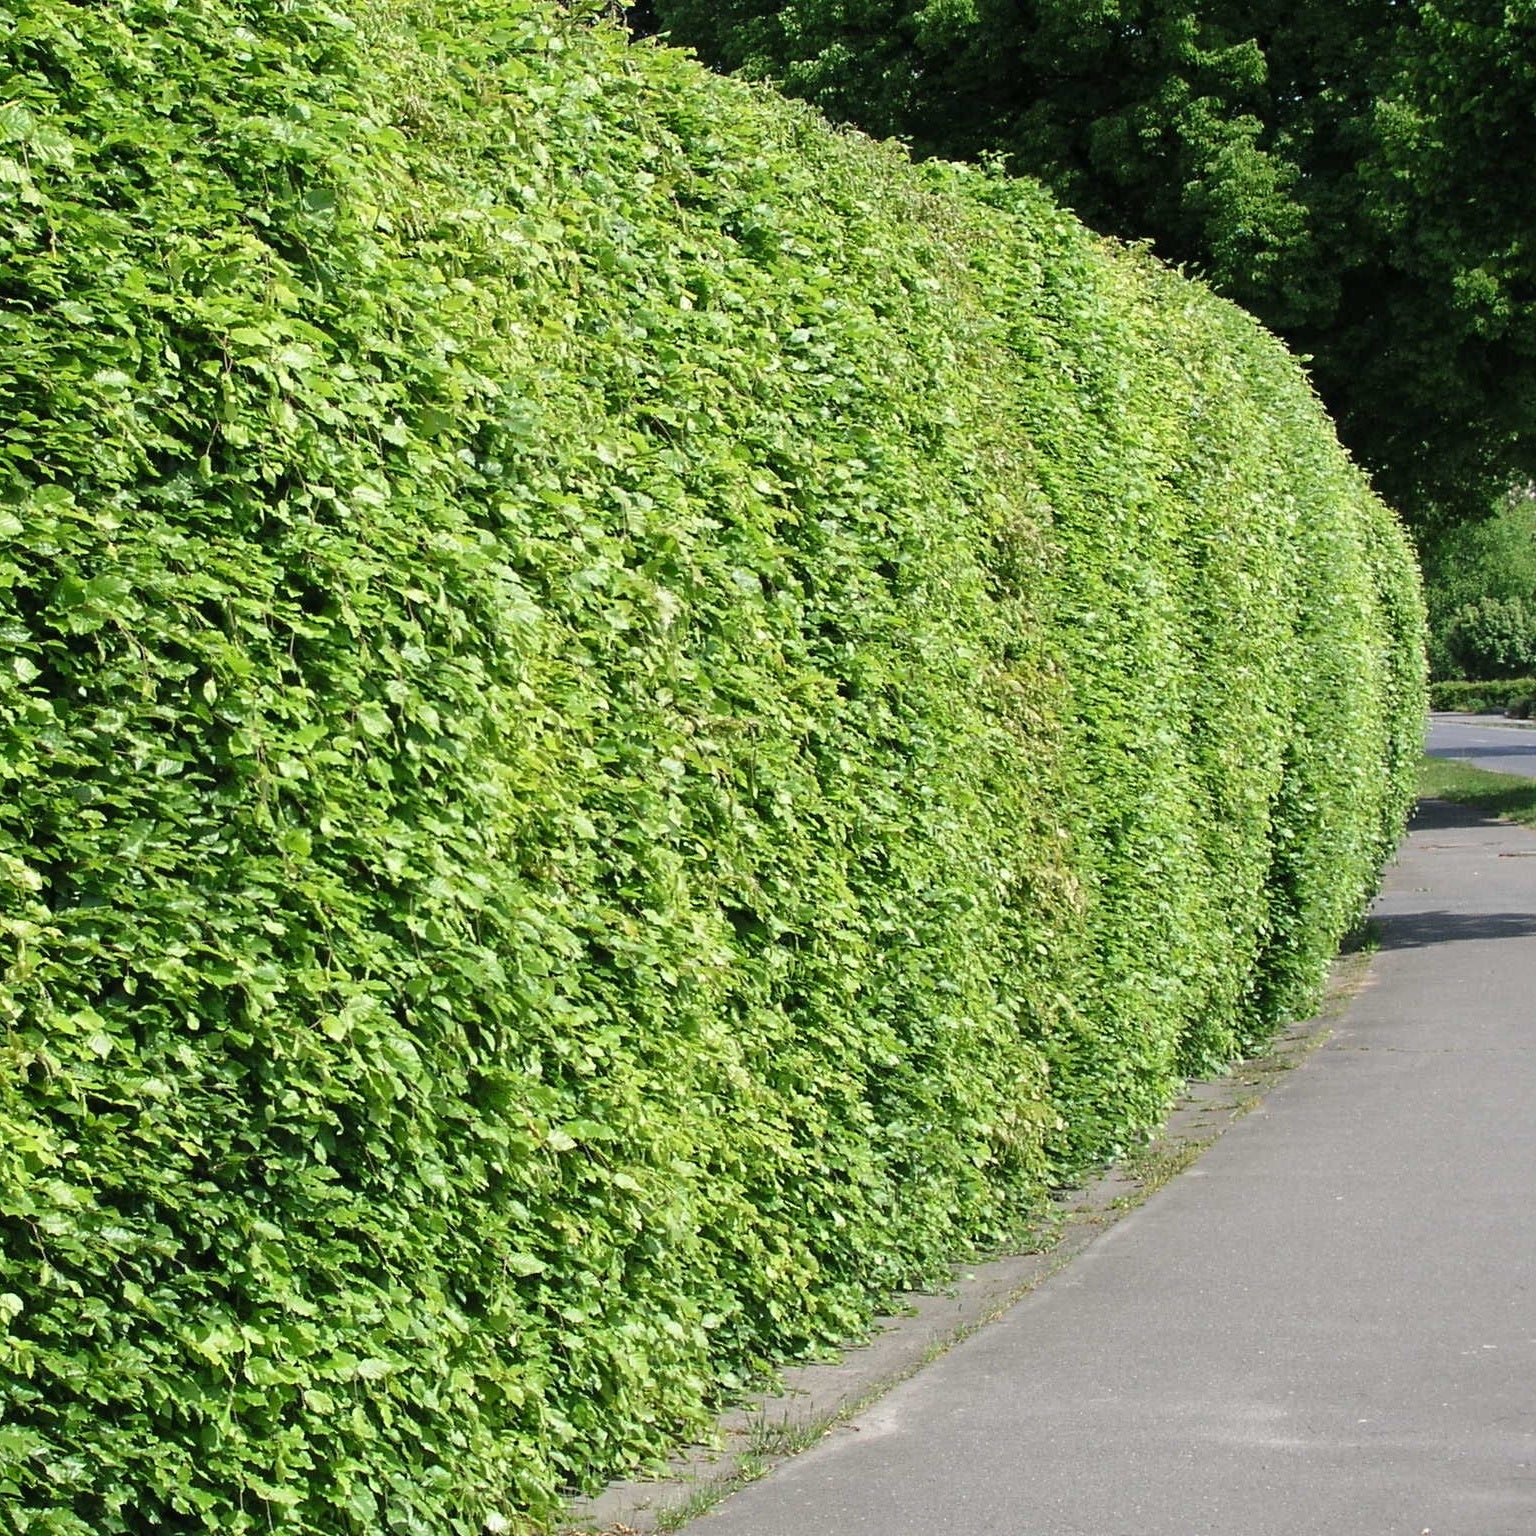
1480	587
1490	639
1352	171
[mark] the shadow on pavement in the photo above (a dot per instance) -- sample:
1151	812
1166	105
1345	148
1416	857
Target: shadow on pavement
1416	930
1444	815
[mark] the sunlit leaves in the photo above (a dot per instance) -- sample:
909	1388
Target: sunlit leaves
1315	162
621	730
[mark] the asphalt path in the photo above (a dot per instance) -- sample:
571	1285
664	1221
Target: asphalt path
1326	1327
1501	746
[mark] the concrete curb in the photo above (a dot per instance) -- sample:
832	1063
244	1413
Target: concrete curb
1497	722
767	1429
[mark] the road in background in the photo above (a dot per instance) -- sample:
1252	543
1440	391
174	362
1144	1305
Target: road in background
1501	746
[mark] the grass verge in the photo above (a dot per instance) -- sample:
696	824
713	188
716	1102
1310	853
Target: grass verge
1499	794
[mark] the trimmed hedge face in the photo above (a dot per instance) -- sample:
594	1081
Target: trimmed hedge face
626	724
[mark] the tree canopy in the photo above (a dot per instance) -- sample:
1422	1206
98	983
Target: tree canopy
1350	171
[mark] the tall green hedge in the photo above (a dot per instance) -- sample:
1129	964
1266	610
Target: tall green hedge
626	723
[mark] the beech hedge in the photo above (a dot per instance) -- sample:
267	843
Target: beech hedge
627	723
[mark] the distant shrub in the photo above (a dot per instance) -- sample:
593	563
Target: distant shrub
626	724
1463	562
1492	638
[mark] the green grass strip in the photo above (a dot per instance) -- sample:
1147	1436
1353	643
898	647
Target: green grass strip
1499	794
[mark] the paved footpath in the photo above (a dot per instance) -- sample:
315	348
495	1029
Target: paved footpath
1326	1327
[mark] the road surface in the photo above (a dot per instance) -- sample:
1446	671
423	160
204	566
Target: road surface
1499	745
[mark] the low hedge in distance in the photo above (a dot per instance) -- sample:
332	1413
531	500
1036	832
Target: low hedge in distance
627	723
1509	696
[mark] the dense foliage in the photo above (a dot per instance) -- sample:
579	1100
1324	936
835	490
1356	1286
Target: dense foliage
1491	638
1513	696
1346	169
1467	567
625	724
